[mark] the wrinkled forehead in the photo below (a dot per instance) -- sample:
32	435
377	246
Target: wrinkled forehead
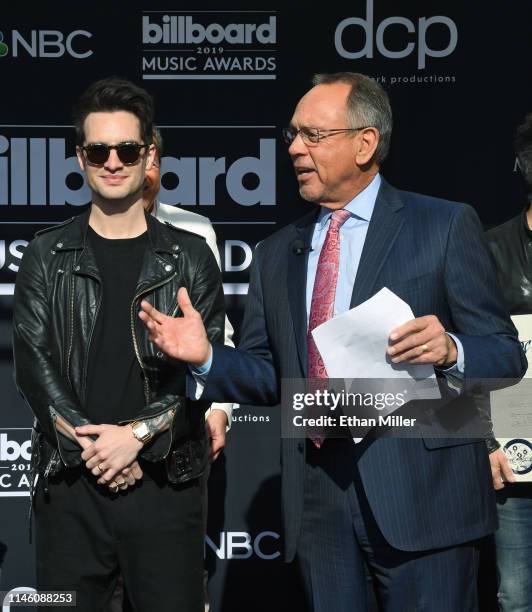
324	106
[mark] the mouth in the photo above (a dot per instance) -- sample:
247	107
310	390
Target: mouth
113	179
303	173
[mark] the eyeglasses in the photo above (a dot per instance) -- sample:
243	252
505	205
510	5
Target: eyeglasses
97	153
312	136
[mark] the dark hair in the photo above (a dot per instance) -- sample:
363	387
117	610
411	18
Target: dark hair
523	150
157	140
114	94
367	104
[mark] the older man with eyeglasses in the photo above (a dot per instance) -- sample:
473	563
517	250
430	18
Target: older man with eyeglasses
412	509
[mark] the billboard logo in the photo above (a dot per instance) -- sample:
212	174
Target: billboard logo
15	457
11	450
4	49
183	30
213	46
47	44
38	172
197	178
35	172
353	32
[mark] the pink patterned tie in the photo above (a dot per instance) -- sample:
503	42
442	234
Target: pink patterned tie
322	304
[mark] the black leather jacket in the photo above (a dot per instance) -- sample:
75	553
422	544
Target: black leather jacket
57	296
511	245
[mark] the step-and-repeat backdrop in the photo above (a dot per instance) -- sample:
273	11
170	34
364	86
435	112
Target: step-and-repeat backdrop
225	81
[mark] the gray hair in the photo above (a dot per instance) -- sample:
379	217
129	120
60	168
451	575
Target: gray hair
367	104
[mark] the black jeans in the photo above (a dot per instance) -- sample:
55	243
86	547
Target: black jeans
152	534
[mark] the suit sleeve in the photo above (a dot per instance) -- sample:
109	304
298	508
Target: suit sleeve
37	377
210	237
480	319
246	375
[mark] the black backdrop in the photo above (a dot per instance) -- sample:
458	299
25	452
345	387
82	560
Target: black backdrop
458	74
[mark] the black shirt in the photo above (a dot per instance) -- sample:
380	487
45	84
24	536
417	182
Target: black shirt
114	382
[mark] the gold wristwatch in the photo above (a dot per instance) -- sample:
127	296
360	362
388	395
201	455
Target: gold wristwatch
141	431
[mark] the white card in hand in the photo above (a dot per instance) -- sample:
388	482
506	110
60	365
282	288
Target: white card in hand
353	344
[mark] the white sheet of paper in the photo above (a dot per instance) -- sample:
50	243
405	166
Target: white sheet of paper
353	344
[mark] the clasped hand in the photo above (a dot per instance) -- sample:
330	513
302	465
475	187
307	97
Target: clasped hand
112	456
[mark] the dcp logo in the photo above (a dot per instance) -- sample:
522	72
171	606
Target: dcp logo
347	37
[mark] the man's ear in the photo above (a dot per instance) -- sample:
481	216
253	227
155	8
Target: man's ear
367	142
81	158
150	157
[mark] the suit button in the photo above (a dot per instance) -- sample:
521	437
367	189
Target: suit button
168	268
300	446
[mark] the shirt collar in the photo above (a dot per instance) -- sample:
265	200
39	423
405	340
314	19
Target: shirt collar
360	207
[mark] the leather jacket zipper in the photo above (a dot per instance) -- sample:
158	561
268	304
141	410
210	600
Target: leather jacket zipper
134	335
91	332
147	417
70	325
53	415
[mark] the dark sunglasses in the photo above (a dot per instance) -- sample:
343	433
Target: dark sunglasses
98	153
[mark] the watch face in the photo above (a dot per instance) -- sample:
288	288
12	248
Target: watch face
142	430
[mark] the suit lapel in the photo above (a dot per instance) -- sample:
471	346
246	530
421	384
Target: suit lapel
385	225
296	279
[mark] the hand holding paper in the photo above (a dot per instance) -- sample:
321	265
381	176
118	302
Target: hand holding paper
354	344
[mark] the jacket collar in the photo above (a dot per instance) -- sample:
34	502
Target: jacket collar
296	279
159	263
386	223
74	235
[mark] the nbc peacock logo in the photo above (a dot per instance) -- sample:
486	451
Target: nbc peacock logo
3	47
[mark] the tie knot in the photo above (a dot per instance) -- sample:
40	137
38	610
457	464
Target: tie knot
339	217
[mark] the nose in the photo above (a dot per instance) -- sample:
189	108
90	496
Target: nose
297	147
113	162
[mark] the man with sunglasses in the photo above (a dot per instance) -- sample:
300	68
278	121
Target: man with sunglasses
118	451
410	508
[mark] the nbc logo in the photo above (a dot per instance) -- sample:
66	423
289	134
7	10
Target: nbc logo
3	47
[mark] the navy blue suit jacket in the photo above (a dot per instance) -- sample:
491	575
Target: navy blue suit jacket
428	492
